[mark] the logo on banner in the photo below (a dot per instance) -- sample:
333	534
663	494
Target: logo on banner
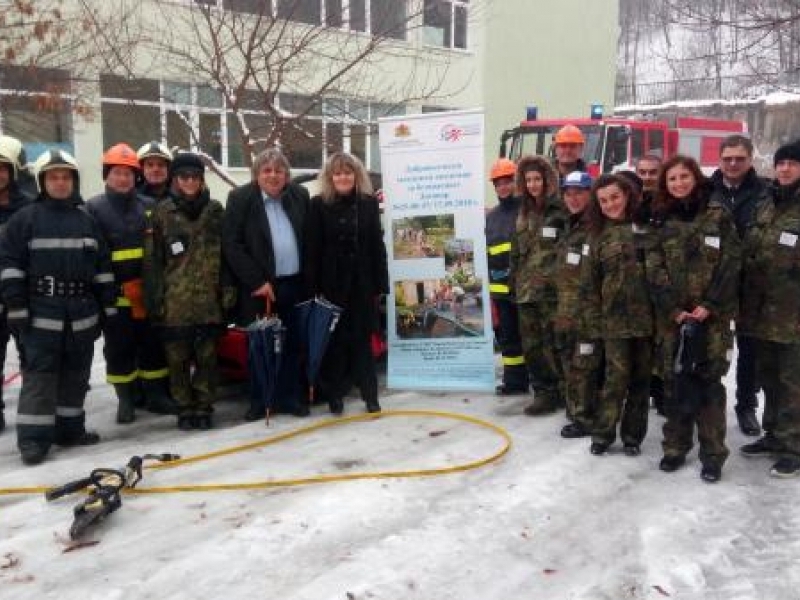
402	131
455	133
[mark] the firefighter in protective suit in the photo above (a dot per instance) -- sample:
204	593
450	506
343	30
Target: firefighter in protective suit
56	280
155	160
11	200
500	227
135	362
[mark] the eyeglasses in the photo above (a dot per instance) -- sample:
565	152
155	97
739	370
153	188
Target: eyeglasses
734	159
646	172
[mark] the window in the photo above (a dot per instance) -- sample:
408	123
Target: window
36	108
388	18
445	23
301	11
253	7
196	117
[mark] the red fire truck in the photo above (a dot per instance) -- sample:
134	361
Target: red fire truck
614	143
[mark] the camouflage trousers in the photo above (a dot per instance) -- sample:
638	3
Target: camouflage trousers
193	389
539	348
626	391
581	362
778	368
710	416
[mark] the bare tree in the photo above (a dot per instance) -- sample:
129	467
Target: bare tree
273	70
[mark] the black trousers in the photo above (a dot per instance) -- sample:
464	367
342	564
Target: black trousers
515	371
348	359
746	380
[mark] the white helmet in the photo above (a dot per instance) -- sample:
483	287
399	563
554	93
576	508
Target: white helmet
156	149
10	153
54	159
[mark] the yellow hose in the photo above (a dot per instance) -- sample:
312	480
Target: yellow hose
273	483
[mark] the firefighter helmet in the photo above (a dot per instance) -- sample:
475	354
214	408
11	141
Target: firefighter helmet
569	134
12	154
54	158
156	149
119	155
503	167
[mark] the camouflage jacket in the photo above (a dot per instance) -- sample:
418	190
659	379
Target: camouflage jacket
770	292
702	256
183	266
533	254
573	250
615	289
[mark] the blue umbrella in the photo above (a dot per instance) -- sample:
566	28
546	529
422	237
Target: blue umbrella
316	320
265	339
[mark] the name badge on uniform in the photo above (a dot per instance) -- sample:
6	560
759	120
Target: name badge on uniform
585	349
638	228
712	241
585	250
573	258
788	239
177	248
549	232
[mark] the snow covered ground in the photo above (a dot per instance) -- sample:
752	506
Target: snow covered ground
548	521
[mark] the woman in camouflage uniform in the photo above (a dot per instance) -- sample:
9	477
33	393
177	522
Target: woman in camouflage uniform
540	225
616	297
579	362
184	290
701	252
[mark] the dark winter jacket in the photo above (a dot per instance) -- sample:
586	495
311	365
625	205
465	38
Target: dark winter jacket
345	257
123	219
741	202
55	270
501	223
247	241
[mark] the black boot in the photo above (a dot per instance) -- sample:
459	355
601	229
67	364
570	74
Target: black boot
32	452
748	422
156	397
336	406
127	395
574	430
83	438
186	422
671	462
373	406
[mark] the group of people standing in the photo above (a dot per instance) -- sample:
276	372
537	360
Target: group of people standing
160	269
634	285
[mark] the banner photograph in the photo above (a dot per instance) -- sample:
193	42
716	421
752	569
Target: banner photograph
439	317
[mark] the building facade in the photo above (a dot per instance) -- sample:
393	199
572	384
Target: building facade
502	55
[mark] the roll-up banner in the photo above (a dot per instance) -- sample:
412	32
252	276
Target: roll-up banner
438	313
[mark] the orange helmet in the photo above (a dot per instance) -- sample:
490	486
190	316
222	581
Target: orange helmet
569	134
120	155
502	167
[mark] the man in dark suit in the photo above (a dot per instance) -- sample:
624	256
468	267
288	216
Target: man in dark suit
262	245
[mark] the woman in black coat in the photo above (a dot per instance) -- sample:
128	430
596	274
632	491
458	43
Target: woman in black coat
346	264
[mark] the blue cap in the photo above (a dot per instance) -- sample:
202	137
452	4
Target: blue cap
577	179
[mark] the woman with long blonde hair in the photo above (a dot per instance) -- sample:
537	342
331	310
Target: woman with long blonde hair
346	264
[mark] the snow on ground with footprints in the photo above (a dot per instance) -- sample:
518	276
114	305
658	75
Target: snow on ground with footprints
546	521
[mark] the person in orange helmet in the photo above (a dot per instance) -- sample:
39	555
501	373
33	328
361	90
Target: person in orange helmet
500	228
135	362
569	144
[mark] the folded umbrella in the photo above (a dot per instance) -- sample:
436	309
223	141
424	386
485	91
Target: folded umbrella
265	339
316	319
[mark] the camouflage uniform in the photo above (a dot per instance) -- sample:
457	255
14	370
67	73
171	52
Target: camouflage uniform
615	290
701	254
533	264
185	296
579	361
770	312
